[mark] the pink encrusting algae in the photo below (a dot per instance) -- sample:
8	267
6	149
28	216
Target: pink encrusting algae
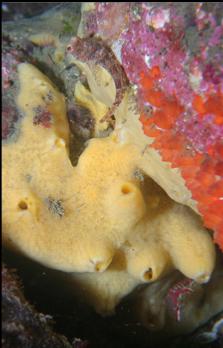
10	60
177	70
177	294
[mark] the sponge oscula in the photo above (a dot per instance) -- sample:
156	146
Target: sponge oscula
98	216
58	214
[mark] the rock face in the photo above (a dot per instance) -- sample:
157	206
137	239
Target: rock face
147	107
172	53
183	311
98	216
22	325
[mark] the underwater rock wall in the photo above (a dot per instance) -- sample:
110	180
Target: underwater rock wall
172	54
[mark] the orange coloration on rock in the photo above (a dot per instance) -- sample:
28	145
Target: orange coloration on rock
155	72
171	141
148	126
155	97
198	104
152	131
162	120
219	149
146	120
200	170
166	117
217	189
172	108
212	215
213	105
210	219
219	235
146	81
219	169
206	179
188	161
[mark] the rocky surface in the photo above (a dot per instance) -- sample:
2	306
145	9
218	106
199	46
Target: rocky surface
172	54
42	41
22	325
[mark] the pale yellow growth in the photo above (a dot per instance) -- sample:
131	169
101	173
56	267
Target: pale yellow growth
101	83
149	260
104	290
37	92
97	216
44	39
59	54
98	110
48	39
129	127
86	236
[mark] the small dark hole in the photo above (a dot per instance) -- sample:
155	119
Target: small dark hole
23	205
126	189
148	275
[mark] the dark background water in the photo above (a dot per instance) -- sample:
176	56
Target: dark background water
12	11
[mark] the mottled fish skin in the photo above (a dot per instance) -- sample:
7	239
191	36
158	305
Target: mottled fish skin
94	50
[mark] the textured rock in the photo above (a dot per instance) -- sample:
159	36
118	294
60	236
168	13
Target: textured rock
172	53
22	325
173	98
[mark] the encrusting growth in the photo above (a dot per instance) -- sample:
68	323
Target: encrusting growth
96	217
